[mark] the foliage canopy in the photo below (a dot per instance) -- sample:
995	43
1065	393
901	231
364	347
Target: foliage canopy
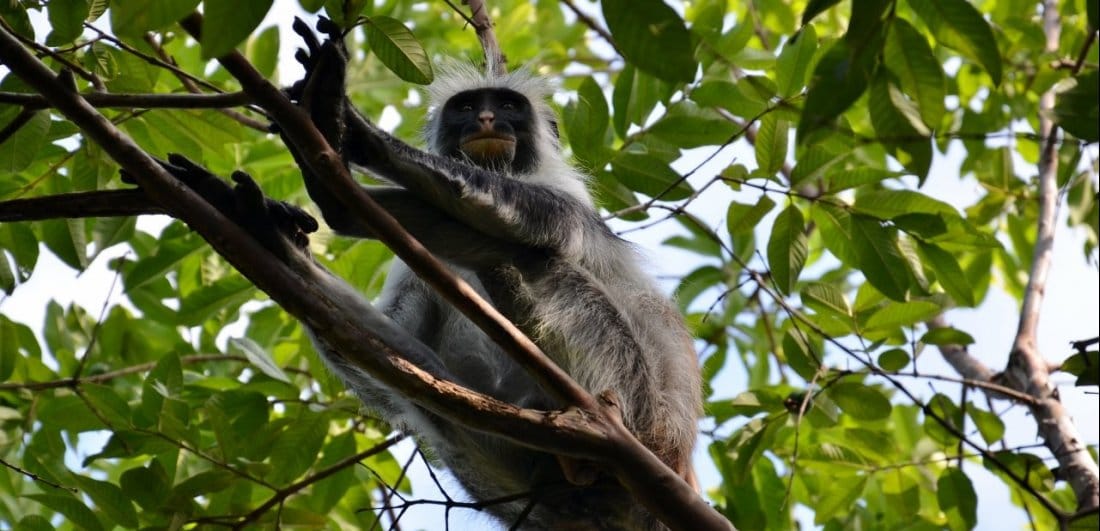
782	147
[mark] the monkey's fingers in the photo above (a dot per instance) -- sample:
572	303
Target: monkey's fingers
331	29
306	33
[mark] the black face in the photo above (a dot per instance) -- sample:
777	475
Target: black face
493	128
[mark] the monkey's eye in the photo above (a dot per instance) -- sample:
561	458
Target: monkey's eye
466	108
508	106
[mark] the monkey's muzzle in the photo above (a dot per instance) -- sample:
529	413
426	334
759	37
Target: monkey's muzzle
489	146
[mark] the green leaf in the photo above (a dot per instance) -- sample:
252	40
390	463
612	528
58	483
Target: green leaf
16	340
880	259
259	358
263	51
65	237
957	24
742	218
109	498
147	486
989	424
797	351
108	405
839	79
840	498
846	178
941	407
1085	365
652	37
650	175
134	17
201	484
687	126
20	149
895	314
835	226
586	124
227	23
297	446
826	297
946	336
635	96
794	61
771	143
397	48
861	401
71	508
919	74
893	360
787	249
949	273
66	20
1077	109
815	8
899	127
227	292
957	498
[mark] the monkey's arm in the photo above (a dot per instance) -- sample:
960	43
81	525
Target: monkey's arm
513	211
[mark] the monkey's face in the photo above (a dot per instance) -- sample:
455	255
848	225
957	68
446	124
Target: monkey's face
490	127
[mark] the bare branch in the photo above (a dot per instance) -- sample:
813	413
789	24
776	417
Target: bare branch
100	203
137	101
496	62
1027	369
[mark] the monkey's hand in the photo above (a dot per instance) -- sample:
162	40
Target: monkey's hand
321	92
272	222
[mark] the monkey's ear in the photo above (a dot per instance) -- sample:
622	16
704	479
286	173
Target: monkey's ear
554	129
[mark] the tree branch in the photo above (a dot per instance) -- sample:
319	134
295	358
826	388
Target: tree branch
1027	369
594	431
349	324
100	203
142	101
496	61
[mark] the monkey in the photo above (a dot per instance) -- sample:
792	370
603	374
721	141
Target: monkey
494	197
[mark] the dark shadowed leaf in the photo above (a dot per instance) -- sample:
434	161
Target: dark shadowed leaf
135	17
652	37
957	24
919	74
110	499
794	60
946	336
649	175
876	248
957	498
227	23
1077	109
893	360
861	401
72	508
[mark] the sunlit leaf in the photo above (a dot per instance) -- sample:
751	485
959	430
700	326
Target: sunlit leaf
398	49
787	249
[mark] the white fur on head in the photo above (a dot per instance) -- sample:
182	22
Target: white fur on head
454	77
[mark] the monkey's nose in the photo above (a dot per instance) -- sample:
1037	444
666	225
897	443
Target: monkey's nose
486	118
